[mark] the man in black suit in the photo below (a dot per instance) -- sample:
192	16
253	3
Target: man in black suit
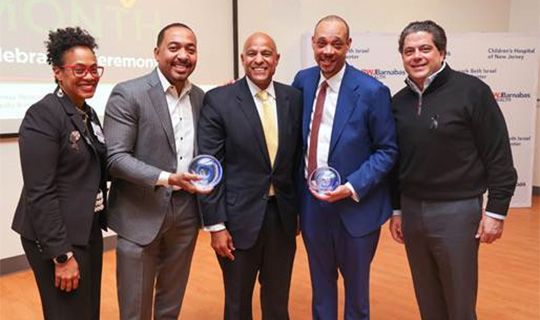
253	128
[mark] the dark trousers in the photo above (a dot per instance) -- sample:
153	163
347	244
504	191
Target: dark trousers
443	255
82	303
271	257
331	249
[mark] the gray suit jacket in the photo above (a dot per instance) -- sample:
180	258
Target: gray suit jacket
140	145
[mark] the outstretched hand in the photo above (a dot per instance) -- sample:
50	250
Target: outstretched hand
183	180
339	193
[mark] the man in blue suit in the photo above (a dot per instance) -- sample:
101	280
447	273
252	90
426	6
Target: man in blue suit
347	125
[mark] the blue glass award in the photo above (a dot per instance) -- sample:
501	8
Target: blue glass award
324	179
208	168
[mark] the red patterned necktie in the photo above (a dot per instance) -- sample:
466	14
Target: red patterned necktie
315	125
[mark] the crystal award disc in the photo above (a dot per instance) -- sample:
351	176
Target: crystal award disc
208	168
324	179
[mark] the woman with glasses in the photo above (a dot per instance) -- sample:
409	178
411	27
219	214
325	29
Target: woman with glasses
63	157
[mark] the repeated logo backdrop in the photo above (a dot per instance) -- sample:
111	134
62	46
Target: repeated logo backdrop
508	63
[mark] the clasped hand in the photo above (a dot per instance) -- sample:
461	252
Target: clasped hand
222	243
66	275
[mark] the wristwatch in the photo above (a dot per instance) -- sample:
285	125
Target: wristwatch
63	258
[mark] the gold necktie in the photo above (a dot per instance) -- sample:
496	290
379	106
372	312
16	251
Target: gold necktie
269	125
270	129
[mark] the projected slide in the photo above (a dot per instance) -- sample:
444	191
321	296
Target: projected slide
125	31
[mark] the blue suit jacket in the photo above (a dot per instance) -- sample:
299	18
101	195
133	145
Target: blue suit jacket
363	149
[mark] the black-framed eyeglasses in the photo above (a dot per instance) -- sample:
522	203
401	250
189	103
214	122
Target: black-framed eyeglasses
80	71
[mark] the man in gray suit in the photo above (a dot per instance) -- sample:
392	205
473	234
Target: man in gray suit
150	131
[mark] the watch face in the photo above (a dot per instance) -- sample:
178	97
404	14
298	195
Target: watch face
62	258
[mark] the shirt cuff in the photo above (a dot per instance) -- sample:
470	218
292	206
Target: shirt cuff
215	227
495	216
163	179
396	212
354	195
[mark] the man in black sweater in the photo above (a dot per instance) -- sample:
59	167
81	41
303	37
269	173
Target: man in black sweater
454	146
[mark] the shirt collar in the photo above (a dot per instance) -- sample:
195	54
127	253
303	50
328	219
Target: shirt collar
335	81
254	89
165	84
427	82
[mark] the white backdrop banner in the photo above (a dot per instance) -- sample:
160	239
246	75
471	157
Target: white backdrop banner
508	63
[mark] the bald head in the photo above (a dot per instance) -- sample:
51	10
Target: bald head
260	59
333	18
260	36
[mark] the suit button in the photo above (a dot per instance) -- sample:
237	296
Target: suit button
265	197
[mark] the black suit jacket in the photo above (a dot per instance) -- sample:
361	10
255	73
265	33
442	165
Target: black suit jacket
230	129
63	168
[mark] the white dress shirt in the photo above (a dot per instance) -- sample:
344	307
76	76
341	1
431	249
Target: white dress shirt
181	113
258	102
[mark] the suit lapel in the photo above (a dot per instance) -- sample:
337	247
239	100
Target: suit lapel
159	102
196	102
345	106
283	112
75	119
310	89
248	108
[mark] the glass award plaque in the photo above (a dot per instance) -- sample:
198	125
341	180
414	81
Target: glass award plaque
324	179
208	168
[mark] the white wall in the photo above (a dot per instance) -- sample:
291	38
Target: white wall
525	18
10	188
286	20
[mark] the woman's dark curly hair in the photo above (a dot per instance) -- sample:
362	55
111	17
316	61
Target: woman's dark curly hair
62	40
